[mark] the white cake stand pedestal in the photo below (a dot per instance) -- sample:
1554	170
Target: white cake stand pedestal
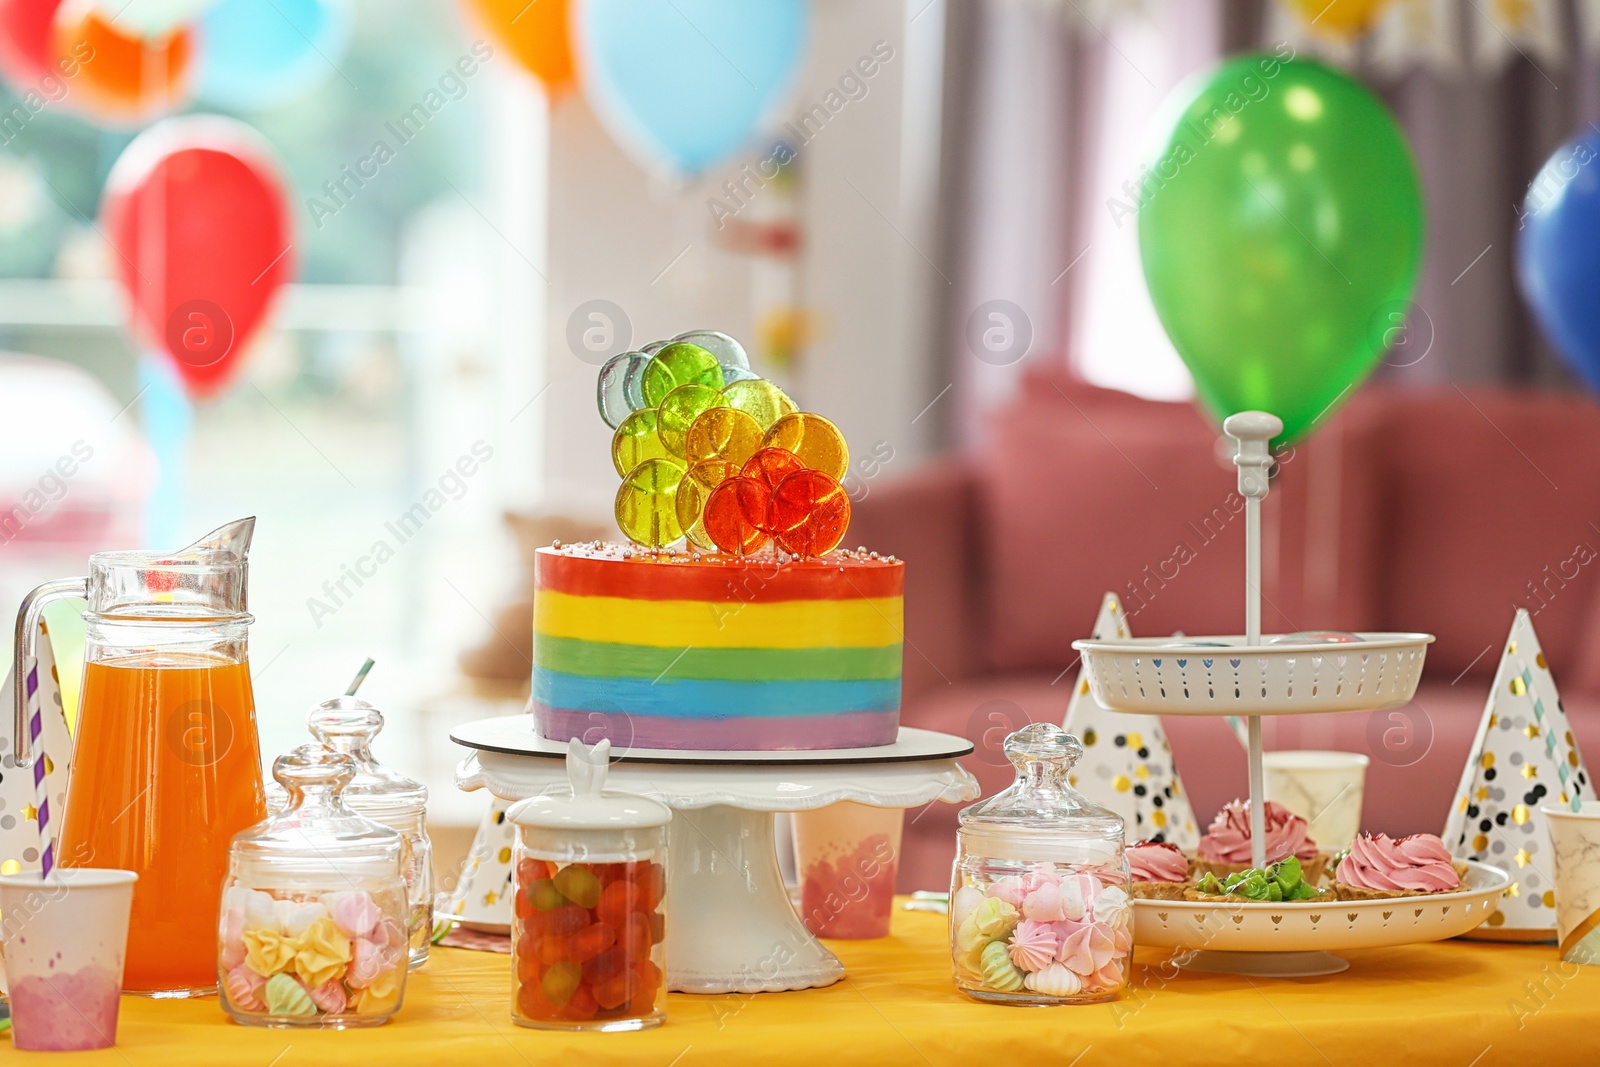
732	928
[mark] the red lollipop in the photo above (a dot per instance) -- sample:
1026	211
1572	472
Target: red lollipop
735	514
196	211
808	513
769	466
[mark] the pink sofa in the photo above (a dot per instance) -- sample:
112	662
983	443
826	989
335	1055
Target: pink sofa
1440	511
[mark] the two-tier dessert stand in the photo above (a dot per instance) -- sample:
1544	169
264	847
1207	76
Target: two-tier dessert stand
731	927
1237	675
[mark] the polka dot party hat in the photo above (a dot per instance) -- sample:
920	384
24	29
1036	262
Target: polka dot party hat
1127	765
1523	758
482	898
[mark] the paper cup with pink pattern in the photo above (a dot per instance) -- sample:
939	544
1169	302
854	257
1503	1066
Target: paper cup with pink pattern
847	856
65	939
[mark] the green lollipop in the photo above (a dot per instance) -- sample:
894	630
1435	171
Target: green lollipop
678	411
678	364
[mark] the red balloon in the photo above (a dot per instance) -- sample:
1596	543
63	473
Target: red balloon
26	52
197	212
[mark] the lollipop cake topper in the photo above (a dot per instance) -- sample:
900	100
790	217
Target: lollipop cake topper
710	453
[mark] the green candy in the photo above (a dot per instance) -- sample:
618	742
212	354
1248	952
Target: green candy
560	982
285	996
544	896
578	884
999	972
679	364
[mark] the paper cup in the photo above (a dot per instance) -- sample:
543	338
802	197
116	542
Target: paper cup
1575	847
64	944
847	856
1324	788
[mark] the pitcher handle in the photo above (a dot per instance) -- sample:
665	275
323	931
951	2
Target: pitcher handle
27	640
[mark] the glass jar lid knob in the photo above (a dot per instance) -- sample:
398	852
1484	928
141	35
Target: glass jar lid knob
1045	746
313	769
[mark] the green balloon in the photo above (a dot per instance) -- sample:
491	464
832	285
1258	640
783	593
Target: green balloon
1280	228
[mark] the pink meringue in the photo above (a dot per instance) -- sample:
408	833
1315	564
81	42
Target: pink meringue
1009	889
233	948
329	997
1419	862
1034	945
366	963
1040	873
1157	861
1077	895
1044	904
1106	978
1087	949
354	913
1054	981
243	987
1227	840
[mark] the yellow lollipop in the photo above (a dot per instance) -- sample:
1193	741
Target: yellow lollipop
814	439
647	509
635	441
679	409
722	433
697	484
759	399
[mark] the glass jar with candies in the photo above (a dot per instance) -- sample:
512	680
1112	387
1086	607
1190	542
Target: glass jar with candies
313	920
1039	909
589	915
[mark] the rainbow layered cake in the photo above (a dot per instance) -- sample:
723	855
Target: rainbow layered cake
687	651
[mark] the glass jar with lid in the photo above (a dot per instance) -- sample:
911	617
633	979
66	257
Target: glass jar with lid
349	726
312	930
1039	909
589	916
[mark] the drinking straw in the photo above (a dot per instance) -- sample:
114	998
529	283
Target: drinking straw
41	785
361	676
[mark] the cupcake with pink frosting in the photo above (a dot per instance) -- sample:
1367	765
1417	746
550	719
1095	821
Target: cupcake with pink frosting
1225	848
1378	866
1160	870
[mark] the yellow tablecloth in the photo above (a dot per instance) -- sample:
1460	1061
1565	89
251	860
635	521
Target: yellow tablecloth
1464	1003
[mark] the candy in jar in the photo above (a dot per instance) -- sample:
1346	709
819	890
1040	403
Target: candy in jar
1039	910
589	915
313	926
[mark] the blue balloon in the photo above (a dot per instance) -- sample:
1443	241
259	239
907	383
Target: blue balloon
261	53
1558	254
688	83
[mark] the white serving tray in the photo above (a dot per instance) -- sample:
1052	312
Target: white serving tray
1226	676
1325	926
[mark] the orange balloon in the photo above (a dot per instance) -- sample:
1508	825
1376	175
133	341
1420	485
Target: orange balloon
535	32
1340	20
121	79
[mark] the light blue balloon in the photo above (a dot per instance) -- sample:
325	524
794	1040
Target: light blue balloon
688	83
260	53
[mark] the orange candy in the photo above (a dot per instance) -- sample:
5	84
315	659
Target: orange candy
616	901
693	490
808	513
816	441
735	513
722	433
770	466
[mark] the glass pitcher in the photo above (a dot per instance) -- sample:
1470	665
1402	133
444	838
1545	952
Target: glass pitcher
166	762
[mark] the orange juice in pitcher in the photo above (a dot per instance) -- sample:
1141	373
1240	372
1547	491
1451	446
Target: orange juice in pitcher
166	762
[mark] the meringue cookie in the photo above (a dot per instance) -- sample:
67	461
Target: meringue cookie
1044	904
295	917
354	913
267	951
1087	950
1009	889
1106	978
1034	945
329	997
243	987
998	971
1039	874
1055	980
366	963
321	953
286	996
964	903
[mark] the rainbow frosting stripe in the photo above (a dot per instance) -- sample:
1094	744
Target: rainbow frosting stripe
715	652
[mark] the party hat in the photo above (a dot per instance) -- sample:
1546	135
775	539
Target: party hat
32	801
1127	763
1523	757
482	897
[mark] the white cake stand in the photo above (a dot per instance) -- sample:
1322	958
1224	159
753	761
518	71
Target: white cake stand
1237	675
732	928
